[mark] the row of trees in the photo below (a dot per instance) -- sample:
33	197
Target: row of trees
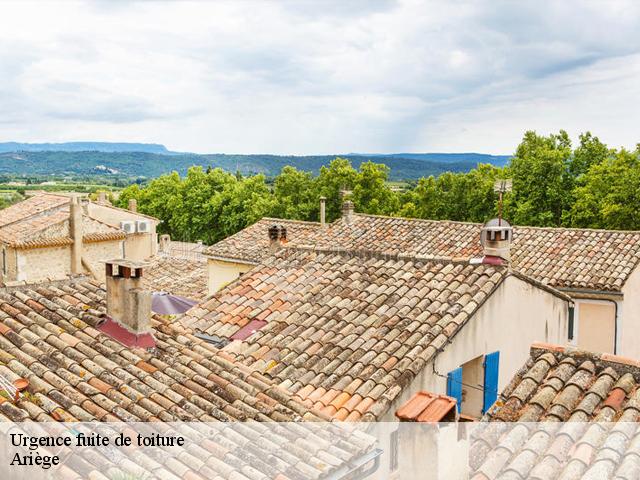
554	184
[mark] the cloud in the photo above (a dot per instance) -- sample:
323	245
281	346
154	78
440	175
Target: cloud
319	77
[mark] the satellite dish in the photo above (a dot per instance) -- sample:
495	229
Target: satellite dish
167	304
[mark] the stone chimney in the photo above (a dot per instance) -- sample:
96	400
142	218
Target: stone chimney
165	243
496	236
102	197
128	304
347	211
133	205
75	230
277	237
323	213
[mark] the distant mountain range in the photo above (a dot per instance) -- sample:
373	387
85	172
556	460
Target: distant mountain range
151	160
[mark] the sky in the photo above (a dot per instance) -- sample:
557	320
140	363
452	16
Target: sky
319	76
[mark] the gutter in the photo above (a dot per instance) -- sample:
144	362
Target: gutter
593	294
353	471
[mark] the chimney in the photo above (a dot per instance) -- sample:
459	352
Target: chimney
347	211
277	237
165	243
128	304
133	205
75	230
323	208
496	236
102	197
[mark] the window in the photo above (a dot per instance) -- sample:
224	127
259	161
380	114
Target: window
475	384
393	451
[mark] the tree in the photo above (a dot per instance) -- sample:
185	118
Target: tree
609	197
541	180
371	194
296	195
331	181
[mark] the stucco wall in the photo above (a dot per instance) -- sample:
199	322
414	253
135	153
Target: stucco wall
629	317
515	316
40	264
97	253
221	273
11	266
138	246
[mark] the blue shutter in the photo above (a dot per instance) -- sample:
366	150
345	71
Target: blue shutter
491	370
454	385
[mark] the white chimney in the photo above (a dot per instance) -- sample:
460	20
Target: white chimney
133	205
75	230
347	211
165	243
496	236
323	207
128	304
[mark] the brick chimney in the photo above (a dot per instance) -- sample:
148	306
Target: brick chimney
496	236
133	205
347	211
128	304
323	214
75	231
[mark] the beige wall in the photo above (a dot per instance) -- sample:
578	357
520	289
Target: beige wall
138	246
473	398
10	267
54	263
38	264
221	273
515	316
629	317
97	253
595	328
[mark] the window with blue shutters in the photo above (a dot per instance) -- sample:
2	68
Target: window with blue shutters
491	371
454	386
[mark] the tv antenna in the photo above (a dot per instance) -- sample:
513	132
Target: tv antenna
501	187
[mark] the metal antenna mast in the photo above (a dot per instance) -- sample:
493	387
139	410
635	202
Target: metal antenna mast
501	187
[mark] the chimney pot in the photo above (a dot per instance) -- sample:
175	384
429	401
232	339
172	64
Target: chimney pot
165	243
323	208
496	236
128	304
347	211
133	205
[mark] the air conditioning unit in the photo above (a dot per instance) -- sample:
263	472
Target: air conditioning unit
128	227
143	226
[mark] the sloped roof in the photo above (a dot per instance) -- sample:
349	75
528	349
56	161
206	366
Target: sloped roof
566	384
595	396
426	407
31	206
251	244
48	335
43	220
176	275
559	257
346	332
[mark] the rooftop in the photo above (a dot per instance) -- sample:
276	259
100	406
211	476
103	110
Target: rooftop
595	396
560	257
345	331
43	220
177	275
251	244
566	384
48	336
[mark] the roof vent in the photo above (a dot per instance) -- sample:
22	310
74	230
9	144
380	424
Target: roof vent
496	236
